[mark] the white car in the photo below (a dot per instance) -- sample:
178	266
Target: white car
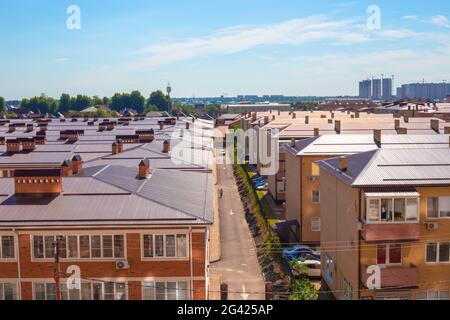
313	268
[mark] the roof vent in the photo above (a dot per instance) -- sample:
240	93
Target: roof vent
67	168
343	163
316	132
166	146
435	125
144	168
377	137
77	164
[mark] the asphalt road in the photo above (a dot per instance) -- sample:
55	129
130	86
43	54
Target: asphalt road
239	266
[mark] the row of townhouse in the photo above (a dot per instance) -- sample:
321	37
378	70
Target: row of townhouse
385	224
123	219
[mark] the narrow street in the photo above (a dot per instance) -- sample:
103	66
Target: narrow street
239	267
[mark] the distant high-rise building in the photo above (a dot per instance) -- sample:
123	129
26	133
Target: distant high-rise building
376	89
365	89
387	89
426	91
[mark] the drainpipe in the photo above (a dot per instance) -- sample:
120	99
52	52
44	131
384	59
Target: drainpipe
191	264
19	274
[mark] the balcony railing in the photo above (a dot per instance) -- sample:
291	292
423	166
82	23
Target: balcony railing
391	231
394	276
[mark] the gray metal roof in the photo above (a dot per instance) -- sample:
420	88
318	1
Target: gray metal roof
394	167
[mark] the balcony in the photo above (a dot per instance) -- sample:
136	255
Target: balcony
395	276
391	231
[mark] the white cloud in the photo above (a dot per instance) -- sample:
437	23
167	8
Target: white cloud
242	38
410	17
440	21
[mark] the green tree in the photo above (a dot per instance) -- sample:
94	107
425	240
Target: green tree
302	288
150	108
64	103
212	109
106	101
96	101
2	105
137	101
81	102
160	100
102	114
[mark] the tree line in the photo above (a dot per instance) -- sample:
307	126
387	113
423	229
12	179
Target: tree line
157	101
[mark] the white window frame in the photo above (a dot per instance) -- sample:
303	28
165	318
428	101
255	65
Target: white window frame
438	252
2	289
91	284
166	281
429	292
388	254
438	210
315	221
78	235
14	259
164	257
368	221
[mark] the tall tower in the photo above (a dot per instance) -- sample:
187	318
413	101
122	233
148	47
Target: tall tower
169	90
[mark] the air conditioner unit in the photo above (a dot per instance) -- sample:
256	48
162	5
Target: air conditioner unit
431	225
122	265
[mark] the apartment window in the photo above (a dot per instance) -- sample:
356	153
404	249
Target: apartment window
171	290
393	210
315	171
7	247
316	196
315	224
389	254
438	252
168	246
432	295
89	291
80	247
44	291
8	291
438	207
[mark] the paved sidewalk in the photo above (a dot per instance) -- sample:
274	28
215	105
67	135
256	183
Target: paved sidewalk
239	267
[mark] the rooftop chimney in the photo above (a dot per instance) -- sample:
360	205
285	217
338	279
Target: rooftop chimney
396	124
187	125
279	112
66	168
446	130
306	119
253	116
2	141
30	127
406	119
292	142
161	125
357	114
12	146
337	126
402	130
377	137
343	163
266	120
332	115
12	128
144	168
34	182
119	145
316	132
166	146
435	125
294	115
77	164
273	117
28	144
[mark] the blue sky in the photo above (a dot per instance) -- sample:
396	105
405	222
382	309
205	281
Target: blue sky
210	48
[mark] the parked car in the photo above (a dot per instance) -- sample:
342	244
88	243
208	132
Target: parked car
313	267
298	249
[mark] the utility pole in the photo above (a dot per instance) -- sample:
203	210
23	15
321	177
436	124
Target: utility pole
57	269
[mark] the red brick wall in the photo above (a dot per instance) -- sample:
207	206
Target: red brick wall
99	269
